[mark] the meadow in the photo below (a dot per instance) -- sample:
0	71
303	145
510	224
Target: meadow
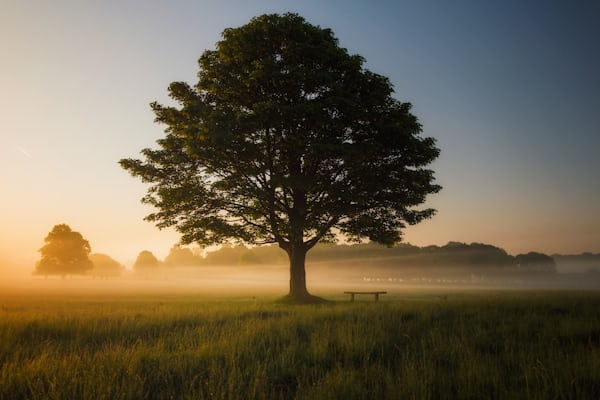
74	343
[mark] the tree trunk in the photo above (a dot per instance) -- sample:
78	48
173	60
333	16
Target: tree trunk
297	255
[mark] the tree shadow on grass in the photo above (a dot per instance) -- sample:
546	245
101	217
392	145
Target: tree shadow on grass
309	299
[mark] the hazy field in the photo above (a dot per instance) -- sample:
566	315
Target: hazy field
162	337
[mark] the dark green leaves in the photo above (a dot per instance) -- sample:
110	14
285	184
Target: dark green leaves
285	138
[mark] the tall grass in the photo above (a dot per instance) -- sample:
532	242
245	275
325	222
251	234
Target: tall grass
473	345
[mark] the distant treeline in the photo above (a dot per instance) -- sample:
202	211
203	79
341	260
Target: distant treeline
474	256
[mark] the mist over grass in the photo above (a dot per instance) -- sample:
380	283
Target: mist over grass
321	277
219	331
456	263
345	267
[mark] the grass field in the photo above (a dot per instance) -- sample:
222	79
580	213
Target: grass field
414	344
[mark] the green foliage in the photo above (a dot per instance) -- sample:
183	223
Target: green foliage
534	345
285	138
65	253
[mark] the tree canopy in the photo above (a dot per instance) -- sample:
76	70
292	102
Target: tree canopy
286	138
65	253
105	266
182	256
145	261
536	262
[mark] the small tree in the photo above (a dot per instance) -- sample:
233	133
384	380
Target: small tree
105	266
286	139
65	253
145	261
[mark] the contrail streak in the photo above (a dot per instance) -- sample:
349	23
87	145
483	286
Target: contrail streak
24	152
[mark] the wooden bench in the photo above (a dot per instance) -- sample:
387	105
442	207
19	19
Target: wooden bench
376	294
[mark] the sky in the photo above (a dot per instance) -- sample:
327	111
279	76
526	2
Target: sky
510	90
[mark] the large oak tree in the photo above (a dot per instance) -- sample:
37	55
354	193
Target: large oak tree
286	138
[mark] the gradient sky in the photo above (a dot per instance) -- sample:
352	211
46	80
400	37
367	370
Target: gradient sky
510	89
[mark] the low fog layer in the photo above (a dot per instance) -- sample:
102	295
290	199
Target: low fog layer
250	271
252	282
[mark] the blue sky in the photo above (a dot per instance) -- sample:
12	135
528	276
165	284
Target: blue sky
510	90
